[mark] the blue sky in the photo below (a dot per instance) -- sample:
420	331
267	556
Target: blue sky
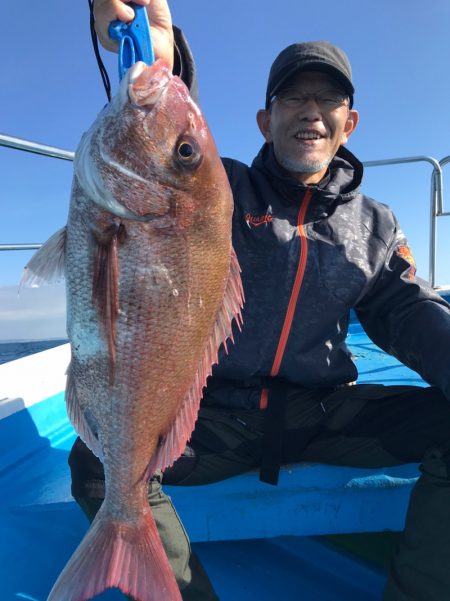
400	52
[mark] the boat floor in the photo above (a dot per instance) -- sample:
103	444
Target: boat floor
243	541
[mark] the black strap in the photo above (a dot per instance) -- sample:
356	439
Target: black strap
272	452
101	66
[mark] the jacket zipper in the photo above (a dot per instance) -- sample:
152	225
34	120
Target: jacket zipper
289	317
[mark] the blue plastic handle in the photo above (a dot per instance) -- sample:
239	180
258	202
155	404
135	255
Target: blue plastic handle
135	41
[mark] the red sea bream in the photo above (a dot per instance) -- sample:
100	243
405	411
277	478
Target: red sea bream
153	285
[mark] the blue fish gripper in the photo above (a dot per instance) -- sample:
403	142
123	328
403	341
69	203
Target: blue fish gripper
135	41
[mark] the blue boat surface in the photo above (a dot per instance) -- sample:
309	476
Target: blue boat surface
254	539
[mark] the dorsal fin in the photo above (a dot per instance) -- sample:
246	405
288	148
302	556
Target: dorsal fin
174	443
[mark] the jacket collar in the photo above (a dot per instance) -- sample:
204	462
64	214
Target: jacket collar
341	182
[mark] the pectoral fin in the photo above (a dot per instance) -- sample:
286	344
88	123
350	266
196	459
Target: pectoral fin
105	287
47	264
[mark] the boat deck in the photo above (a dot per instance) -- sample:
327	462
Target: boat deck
255	540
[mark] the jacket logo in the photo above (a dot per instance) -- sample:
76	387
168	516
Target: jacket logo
256	220
404	253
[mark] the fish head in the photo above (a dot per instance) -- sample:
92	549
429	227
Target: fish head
150	153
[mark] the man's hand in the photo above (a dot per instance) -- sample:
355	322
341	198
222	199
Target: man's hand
158	11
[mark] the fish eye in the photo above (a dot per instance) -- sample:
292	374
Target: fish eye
185	150
188	152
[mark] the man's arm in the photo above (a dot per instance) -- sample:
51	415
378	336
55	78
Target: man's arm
404	316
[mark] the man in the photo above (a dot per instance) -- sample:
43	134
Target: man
311	248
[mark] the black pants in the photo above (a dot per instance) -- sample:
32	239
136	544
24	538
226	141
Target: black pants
361	426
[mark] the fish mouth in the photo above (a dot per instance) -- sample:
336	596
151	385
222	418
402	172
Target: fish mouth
146	83
143	86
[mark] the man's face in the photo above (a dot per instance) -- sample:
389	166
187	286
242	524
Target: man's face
305	126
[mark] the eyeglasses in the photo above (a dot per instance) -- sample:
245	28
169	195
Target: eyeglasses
327	100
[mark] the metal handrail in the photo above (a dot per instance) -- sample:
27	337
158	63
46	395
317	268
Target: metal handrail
26	246
36	147
436	194
436	200
443	162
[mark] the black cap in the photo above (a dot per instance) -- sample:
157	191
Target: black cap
310	56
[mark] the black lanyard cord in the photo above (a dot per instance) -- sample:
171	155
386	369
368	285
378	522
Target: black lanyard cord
101	66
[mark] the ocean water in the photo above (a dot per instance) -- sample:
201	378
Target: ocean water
15	350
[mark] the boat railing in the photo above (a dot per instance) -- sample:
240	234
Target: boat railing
436	200
436	188
35	148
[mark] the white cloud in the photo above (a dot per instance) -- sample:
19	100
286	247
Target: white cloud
32	314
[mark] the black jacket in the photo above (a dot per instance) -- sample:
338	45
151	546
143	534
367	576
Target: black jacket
348	253
355	256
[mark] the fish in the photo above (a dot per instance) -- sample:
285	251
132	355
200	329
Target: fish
153	290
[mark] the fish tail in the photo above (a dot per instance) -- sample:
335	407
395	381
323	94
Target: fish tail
116	554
